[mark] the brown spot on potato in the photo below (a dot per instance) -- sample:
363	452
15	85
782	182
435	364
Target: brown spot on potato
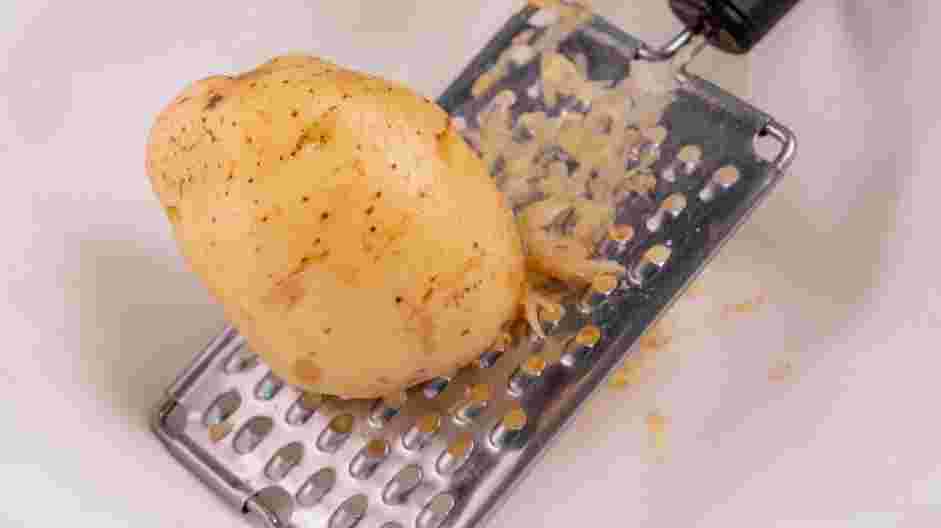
214	100
286	293
446	140
419	321
307	371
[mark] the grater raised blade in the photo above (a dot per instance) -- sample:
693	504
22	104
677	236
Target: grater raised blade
453	450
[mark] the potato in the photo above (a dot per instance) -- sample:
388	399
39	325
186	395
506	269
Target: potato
346	228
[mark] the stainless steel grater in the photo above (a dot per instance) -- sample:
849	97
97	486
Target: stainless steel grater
453	450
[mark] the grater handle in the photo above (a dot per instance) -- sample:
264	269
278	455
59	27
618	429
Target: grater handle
734	26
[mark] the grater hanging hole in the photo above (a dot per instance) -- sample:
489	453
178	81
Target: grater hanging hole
252	433
316	487
767	147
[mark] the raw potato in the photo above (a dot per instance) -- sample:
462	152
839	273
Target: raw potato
349	232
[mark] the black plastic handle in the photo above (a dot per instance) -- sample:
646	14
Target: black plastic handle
734	26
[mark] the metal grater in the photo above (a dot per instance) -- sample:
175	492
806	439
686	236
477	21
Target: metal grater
451	452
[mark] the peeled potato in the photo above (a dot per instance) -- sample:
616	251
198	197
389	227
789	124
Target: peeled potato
348	231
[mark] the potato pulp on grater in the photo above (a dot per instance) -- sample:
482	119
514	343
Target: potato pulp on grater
361	246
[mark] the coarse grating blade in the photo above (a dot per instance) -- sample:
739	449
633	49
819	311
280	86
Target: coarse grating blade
447	453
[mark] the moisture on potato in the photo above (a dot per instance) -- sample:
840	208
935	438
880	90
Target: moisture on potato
347	229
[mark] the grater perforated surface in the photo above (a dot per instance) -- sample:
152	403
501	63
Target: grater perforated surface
451	451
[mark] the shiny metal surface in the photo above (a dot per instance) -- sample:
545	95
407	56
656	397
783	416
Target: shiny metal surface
465	434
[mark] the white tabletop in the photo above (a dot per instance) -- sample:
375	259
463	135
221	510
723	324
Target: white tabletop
100	313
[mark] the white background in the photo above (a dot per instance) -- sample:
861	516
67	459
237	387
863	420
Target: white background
100	314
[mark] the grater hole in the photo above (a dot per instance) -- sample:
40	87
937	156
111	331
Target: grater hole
397	490
369	458
304	408
456	454
317	487
526	374
252	433
222	408
476	399
651	262
435	511
273	504
421	431
240	360
268	387
434	387
385	409
286	459
350	512
336	433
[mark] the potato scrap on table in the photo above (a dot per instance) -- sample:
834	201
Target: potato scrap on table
657	430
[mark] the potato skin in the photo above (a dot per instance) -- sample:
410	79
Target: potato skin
348	231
